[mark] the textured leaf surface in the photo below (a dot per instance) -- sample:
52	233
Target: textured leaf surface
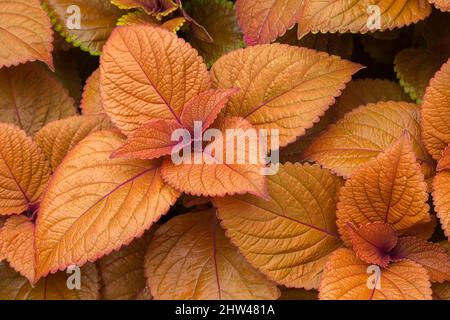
364	91
429	255
214	175
24	37
95	204
141	17
372	242
441	198
30	104
346	278
54	287
352	16
415	68
443	5
57	138
389	188
17	245
218	17
263	21
148	73
91	102
24	171
97	19
364	133
290	236
190	258
122	272
282	87
436	113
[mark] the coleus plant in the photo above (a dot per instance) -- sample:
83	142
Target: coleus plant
91	191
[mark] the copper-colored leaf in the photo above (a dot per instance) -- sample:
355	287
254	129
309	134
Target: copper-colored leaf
347	278
190	258
24	171
436	113
95	204
218	17
24	37
57	138
373	242
431	256
444	162
97	18
443	5
54	287
122	272
290	236
91	102
205	108
30	97
389	188
365	132
282	87
415	68
364	91
263	21
17	245
357	16
215	175
148	73
441	198
140	17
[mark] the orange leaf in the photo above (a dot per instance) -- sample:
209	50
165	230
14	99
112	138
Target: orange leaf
365	132
263	21
415	68
54	287
25	37
30	104
441	198
147	74
441	291
190	258
436	112
347	278
373	242
290	236
423	230
97	19
23	168
95	204
282	87
91	103
140	17
150	141
57	138
17	245
364	91
205	108
444	162
122	272
389	188
354	16
429	255
443	5
213	175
